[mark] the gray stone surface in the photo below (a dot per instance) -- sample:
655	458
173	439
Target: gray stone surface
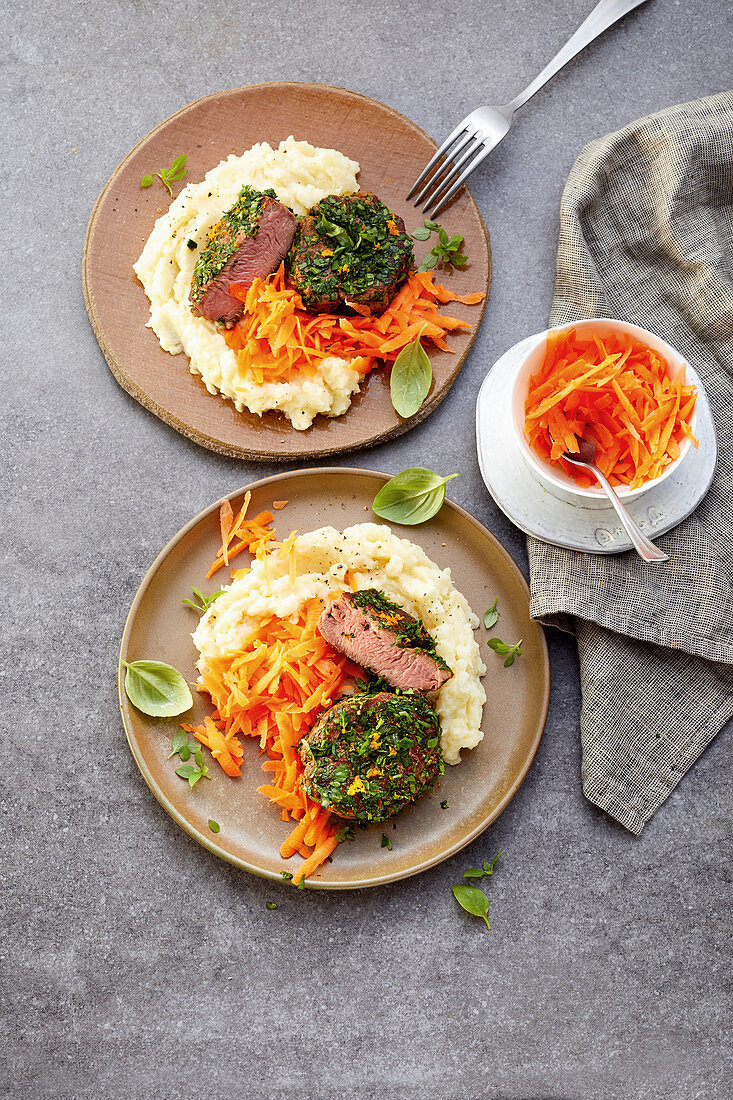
134	963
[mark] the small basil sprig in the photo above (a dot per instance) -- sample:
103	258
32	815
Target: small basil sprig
176	172
486	869
386	842
474	901
413	496
168	176
491	615
195	772
157	689
448	249
181	746
510	651
201	602
428	228
410	379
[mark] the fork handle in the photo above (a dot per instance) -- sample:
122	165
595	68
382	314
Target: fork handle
600	19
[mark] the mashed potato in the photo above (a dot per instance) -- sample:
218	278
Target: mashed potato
375	558
301	175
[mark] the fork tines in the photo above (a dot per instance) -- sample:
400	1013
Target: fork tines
463	147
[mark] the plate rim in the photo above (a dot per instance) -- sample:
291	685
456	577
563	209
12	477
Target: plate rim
197	435
210	843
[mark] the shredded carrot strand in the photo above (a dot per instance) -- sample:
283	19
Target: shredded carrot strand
276	338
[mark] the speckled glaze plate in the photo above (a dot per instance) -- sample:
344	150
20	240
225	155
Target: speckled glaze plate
159	626
591	526
391	151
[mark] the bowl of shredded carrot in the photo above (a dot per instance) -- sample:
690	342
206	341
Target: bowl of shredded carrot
613	383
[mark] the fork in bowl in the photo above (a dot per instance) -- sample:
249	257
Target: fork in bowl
482	130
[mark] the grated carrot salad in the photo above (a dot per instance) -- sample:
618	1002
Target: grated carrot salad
615	392
277	337
273	690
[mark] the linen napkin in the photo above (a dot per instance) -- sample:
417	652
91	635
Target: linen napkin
646	235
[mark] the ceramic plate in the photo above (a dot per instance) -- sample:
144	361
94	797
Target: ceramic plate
580	524
159	626
391	151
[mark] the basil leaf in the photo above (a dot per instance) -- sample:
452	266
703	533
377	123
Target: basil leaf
184	752
429	262
443	236
386	842
146	181
286	876
410	379
199	757
270	905
473	900
186	771
473	872
491	616
413	496
431	225
498	646
458	259
178	743
214	826
509	661
454	244
157	689
418	235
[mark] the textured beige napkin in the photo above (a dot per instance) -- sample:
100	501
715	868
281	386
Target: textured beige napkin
646	235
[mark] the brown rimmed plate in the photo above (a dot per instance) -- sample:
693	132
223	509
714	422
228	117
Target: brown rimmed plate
391	151
476	791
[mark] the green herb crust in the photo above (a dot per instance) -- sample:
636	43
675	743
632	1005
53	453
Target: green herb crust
226	237
411	632
350	249
371	755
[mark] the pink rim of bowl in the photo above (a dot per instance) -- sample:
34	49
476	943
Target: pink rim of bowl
554	477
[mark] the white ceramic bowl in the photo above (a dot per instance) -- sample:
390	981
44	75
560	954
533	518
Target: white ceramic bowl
553	476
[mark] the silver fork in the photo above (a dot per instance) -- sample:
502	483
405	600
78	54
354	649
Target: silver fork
482	130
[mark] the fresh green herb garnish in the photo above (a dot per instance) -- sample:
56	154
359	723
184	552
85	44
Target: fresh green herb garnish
270	905
286	876
301	884
487	868
503	649
413	496
201	602
491	616
444	804
410	379
147	181
181	746
176	172
474	901
191	243
427	228
194	773
386	842
157	689
214	826
447	249
346	832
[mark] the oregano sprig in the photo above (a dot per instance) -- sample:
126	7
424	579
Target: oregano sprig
505	650
448	249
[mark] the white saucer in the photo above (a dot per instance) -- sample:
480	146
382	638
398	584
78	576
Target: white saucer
594	527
